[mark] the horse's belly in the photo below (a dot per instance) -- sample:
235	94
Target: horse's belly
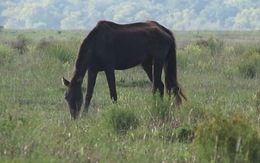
126	65
129	59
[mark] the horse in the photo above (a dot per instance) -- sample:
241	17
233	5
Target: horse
110	46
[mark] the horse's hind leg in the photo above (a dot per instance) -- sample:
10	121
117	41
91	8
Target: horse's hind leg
148	68
157	74
92	75
110	74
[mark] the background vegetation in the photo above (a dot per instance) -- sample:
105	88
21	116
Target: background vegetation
175	14
219	72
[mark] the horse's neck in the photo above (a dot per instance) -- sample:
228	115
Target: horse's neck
78	76
81	65
84	57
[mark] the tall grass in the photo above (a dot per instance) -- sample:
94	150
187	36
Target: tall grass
249	66
218	123
62	50
227	139
6	55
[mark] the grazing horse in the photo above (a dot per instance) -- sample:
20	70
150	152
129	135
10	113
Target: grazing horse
110	46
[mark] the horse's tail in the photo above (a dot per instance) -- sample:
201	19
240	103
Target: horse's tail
170	69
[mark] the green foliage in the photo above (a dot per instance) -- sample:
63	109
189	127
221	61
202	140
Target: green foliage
122	119
20	44
161	110
216	46
6	55
249	65
195	57
35	125
180	134
191	15
62	50
239	49
227	138
185	134
163	116
194	113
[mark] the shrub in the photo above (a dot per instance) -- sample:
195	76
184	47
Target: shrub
122	120
195	57
180	134
215	46
20	44
161	111
239	49
185	134
227	139
44	43
61	50
196	113
6	54
249	65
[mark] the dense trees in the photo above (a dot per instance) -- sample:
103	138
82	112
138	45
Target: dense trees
175	14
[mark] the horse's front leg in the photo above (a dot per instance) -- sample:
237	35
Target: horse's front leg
92	75
110	74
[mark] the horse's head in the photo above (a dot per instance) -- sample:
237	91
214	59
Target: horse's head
74	97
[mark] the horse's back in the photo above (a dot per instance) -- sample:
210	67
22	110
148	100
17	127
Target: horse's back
150	31
127	45
133	27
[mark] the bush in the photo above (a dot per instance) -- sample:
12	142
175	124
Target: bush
215	46
180	134
61	50
227	139
196	58
189	56
249	65
6	54
20	44
122	120
161	110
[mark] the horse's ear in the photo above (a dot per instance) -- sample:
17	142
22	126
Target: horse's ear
65	81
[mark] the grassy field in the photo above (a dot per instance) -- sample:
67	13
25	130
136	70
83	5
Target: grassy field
218	70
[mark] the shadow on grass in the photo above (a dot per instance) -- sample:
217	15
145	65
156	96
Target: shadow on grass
137	83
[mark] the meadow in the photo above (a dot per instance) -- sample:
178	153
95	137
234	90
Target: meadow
218	70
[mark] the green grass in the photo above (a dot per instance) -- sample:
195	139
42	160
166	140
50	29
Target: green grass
218	123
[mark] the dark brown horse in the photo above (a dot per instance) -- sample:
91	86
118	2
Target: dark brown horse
110	47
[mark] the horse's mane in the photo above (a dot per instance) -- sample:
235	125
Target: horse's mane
81	60
85	47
